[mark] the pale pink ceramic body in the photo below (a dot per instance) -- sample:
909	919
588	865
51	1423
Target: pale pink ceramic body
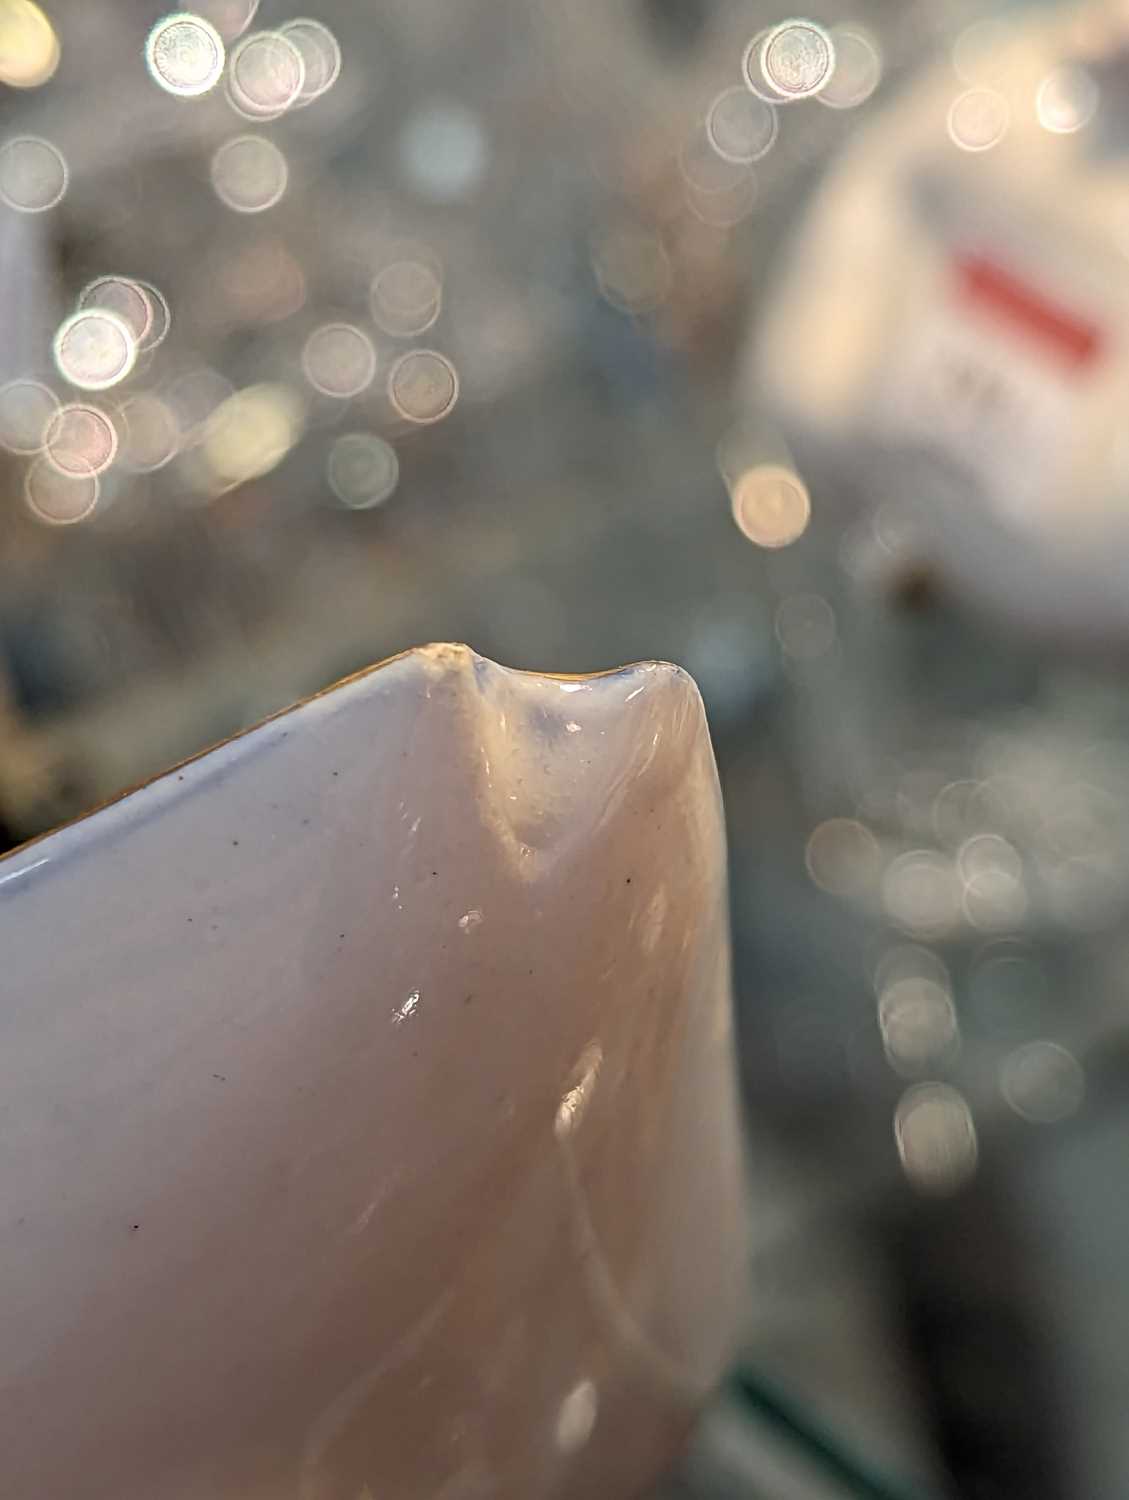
369	1129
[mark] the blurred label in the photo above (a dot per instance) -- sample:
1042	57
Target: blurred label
964	389
1019	309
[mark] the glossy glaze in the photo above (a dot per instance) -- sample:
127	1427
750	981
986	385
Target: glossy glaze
369	1124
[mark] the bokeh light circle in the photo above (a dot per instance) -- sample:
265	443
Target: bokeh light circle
33	174
793	60
423	386
126	299
857	72
741	126
982	52
185	55
842	857
719	192
363	470
921	893
918	1023
1066	100
160	316
804	624
94	349
321	56
339	360
266	75
249	174
406	297
936	1137
978	119
771	505
26	409
1043	1082
59	499
80	440
150	433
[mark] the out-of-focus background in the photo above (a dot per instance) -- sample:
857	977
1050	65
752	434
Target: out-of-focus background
793	349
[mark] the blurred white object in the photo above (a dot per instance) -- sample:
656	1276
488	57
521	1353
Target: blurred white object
370	1118
951	330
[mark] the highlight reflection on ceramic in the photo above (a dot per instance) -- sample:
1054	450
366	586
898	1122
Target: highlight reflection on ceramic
369	1123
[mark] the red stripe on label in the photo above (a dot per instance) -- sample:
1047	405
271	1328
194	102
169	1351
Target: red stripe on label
1074	339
